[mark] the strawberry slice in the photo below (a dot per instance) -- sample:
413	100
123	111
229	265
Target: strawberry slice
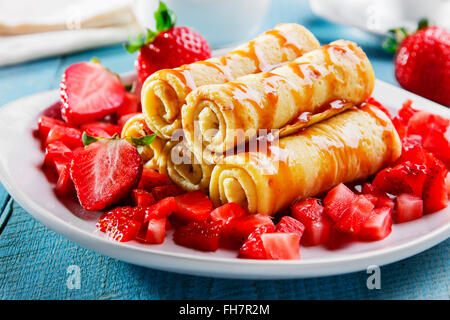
100	129
409	207
71	137
163	208
64	185
193	206
142	198
359	211
153	231
89	92
337	201
130	105
281	246
151	178
56	150
227	212
45	124
53	111
378	226
237	230
435	193
200	235
253	247
317	224
170	190
105	172
288	224
118	227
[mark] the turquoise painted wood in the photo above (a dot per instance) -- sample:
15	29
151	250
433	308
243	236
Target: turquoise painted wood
34	260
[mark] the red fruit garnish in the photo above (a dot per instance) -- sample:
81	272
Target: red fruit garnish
64	185
281	246
378	226
384	201
200	235
337	201
93	127
412	151
56	150
45	124
372	198
71	137
421	122
153	231
118	227
359	211
400	127
130	105
406	112
142	198
163	208
237	230
227	212
253	247
436	142
409	207
170	190
89	92
193	206
169	47
53	111
288	224
435	193
317	224
105	172
152	178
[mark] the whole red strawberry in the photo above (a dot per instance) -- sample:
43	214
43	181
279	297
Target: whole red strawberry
422	63
168	47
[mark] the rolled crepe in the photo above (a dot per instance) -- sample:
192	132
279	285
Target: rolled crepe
317	85
347	147
165	91
136	126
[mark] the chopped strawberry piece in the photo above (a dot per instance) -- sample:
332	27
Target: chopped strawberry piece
71	137
153	231
435	193
422	121
384	201
368	188
253	247
381	198
227	212
281	246
64	185
409	207
134	213
359	211
406	112
193	206
200	235
100	129
56	150
89	92
105	172
237	230
412	151
372	198
171	190
406	177
337	201
436	142
163	208
151	178
118	227
130	105
53	111
142	198
288	224
378	226
45	124
401	128
317	224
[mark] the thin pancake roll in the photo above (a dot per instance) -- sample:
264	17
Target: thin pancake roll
165	91
309	89
347	147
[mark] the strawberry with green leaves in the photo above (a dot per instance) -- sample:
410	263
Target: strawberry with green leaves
422	60
168	47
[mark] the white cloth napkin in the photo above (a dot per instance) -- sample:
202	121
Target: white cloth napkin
32	29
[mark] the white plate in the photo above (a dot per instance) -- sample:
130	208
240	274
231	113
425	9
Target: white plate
20	162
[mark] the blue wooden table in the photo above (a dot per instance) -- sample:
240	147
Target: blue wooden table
34	261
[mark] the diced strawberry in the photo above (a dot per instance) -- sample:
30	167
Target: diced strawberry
406	177
109	128
368	188
118	227
384	201
45	124
412	151
381	198
253	247
130	105
409	207
288	224
163	208
337	201
227	212
171	190
378	226
359	211
153	231
89	92
142	198
435	193
105	172
193	206
55	150
422	121
436	142
123	119
372	198
401	128
71	137
237	230
151	178
134	213
203	235
376	103
53	111
317	224
64	185
281	246
406	112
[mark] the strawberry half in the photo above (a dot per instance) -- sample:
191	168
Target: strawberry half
89	92
105	172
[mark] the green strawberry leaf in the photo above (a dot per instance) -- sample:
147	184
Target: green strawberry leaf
165	18
135	44
394	38
141	141
87	139
423	23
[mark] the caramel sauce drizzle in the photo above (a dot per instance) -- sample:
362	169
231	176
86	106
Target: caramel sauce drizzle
184	75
